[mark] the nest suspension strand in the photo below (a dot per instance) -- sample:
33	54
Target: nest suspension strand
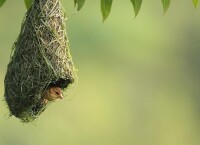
40	60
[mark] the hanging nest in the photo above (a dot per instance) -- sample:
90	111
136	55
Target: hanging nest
40	60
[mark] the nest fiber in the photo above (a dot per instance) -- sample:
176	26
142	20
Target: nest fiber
40	59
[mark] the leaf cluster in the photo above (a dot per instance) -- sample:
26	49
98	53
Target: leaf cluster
107	4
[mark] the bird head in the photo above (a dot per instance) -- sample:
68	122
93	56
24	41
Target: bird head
56	93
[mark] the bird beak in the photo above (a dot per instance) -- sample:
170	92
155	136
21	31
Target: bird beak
61	96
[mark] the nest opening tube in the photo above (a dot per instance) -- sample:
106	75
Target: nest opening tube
40	60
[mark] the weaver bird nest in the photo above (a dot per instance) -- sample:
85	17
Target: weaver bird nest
40	60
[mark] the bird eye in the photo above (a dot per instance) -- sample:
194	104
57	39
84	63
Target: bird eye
57	93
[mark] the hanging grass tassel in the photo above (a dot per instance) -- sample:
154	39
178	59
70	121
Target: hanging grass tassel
40	60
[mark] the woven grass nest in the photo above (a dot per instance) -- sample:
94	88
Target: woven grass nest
40	59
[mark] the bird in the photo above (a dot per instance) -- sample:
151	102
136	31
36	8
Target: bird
52	94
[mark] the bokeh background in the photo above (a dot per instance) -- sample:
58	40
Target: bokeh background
139	78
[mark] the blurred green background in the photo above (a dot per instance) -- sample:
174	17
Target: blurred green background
139	78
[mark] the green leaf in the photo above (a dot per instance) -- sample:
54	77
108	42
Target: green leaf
28	3
195	2
166	4
75	2
106	8
136	5
2	2
80	4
